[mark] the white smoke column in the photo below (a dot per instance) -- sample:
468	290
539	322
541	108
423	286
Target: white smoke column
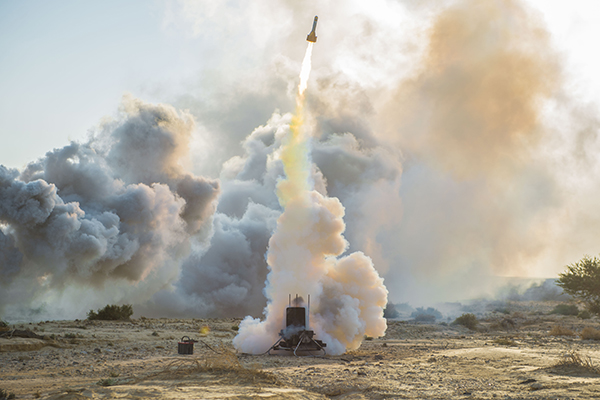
348	296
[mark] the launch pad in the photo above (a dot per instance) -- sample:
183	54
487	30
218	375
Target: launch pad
296	337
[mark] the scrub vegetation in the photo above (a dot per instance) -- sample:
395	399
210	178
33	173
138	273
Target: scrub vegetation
111	313
582	281
467	320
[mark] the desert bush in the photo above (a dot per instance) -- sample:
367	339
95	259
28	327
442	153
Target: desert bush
106	382
467	320
508	323
565	309
4	327
584	314
235	328
219	360
505	323
112	313
590	333
582	280
574	359
390	311
426	315
5	395
558	330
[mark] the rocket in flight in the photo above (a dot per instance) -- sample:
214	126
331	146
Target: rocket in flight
312	36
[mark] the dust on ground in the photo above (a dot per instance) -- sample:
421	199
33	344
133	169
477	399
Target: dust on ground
510	356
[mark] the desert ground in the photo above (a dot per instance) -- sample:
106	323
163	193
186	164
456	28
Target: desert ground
515	353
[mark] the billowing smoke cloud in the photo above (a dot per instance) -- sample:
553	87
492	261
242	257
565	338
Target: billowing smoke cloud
482	195
474	106
119	208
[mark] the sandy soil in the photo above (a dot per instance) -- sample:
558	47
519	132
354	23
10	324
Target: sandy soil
511	356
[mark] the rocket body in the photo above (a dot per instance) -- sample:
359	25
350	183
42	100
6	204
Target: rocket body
312	36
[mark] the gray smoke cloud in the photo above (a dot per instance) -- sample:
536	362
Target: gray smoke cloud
119	208
229	277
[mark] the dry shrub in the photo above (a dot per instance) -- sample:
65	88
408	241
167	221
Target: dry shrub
4	394
590	333
111	312
584	314
565	309
573	359
558	330
505	323
216	360
467	320
518	315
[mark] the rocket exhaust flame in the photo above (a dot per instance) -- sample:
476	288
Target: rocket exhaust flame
305	72
349	296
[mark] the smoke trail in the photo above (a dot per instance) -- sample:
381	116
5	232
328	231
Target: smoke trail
295	153
349	294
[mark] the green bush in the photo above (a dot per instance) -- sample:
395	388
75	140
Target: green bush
467	320
565	309
112	313
582	281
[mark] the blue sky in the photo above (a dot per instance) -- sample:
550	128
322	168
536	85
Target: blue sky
66	64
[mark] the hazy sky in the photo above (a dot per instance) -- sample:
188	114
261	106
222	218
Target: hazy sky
64	65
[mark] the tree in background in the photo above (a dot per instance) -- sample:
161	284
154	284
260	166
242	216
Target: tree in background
582	280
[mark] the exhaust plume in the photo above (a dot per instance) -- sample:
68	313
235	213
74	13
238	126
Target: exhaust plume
349	296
